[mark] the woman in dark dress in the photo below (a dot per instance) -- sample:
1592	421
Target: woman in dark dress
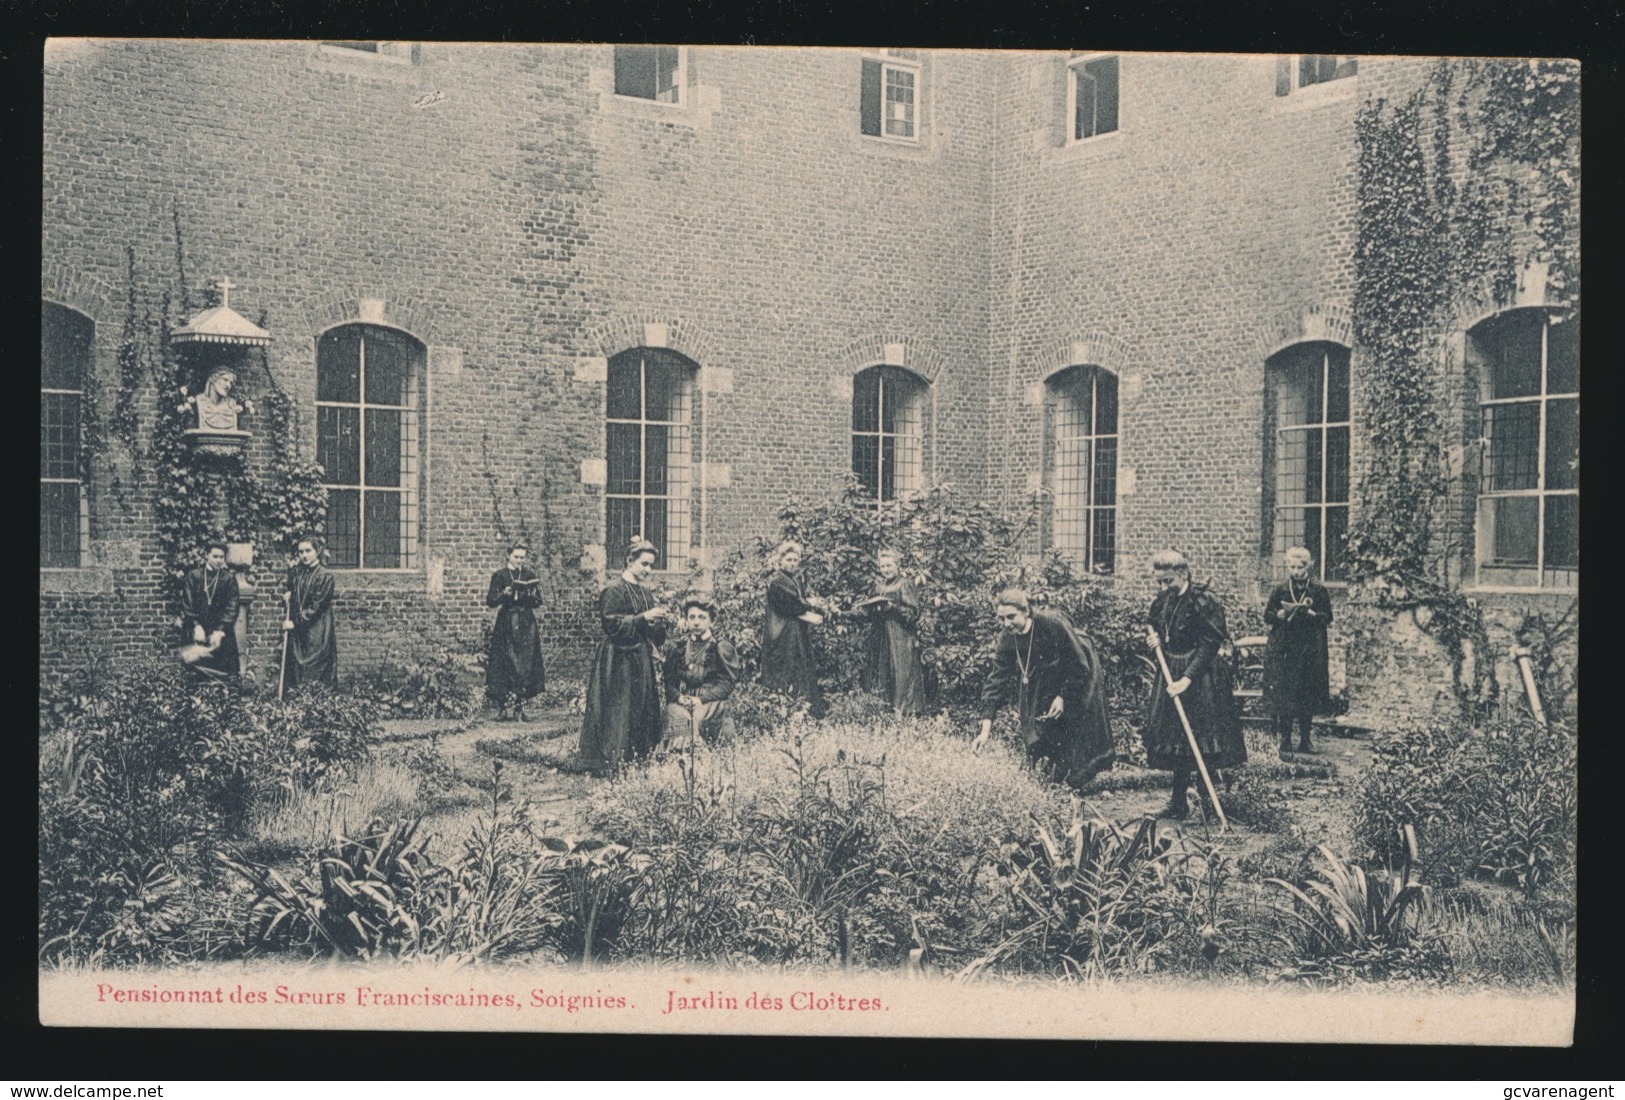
787	659
625	703
1049	669
1189	625
1296	686
892	669
513	668
313	651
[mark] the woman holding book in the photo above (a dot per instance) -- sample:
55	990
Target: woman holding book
513	669
1296	685
892	668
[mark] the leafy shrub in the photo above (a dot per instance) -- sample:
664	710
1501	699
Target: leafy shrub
140	787
429	687
1348	923
961	553
512	892
1496	802
1090	900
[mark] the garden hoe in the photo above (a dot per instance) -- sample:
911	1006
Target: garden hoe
282	676
1190	735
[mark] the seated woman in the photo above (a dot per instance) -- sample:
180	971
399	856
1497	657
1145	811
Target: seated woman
700	674
892	669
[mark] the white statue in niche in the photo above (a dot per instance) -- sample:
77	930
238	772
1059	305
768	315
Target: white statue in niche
216	409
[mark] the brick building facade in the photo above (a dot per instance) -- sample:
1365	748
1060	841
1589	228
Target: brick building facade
649	288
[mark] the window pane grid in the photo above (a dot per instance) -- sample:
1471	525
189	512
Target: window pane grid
899	102
1083	418
67	349
367	428
649	452
1528	506
1311	458
888	418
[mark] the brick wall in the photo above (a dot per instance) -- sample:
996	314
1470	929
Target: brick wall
525	224
504	208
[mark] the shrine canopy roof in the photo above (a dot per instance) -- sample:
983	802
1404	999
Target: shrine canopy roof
221	325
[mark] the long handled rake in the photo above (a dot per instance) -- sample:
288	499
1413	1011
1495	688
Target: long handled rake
1190	736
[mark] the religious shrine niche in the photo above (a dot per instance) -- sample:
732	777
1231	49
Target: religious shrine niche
215	346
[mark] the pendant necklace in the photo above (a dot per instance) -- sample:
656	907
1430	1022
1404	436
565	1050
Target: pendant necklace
1292	590
1026	665
209	586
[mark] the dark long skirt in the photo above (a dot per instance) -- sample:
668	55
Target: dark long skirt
625	705
1210	706
514	665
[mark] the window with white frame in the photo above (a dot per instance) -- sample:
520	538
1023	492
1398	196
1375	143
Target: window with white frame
1306	454
649	413
67	345
1091	94
888	430
889	97
1528	517
368	382
1306	70
650	72
1082	403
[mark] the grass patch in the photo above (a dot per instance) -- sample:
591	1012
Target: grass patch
303	819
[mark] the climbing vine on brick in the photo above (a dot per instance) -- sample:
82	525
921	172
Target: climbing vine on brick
200	497
1431	238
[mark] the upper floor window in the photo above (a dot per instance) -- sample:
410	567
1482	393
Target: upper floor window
1082	404
1306	454
649	412
1308	69
889	97
1528	519
66	348
888	430
368	385
1091	92
650	72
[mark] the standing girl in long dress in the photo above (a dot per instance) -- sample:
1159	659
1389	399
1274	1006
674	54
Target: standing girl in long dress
513	668
787	658
1296	684
625	703
892	669
313	649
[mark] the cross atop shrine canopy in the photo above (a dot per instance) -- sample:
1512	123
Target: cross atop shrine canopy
221	324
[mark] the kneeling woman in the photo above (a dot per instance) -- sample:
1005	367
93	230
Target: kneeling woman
624	706
701	672
1189	625
1050	670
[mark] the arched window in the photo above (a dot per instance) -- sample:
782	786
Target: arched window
1528	365
888	430
1306	454
368	382
649	416
66	348
1082	403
